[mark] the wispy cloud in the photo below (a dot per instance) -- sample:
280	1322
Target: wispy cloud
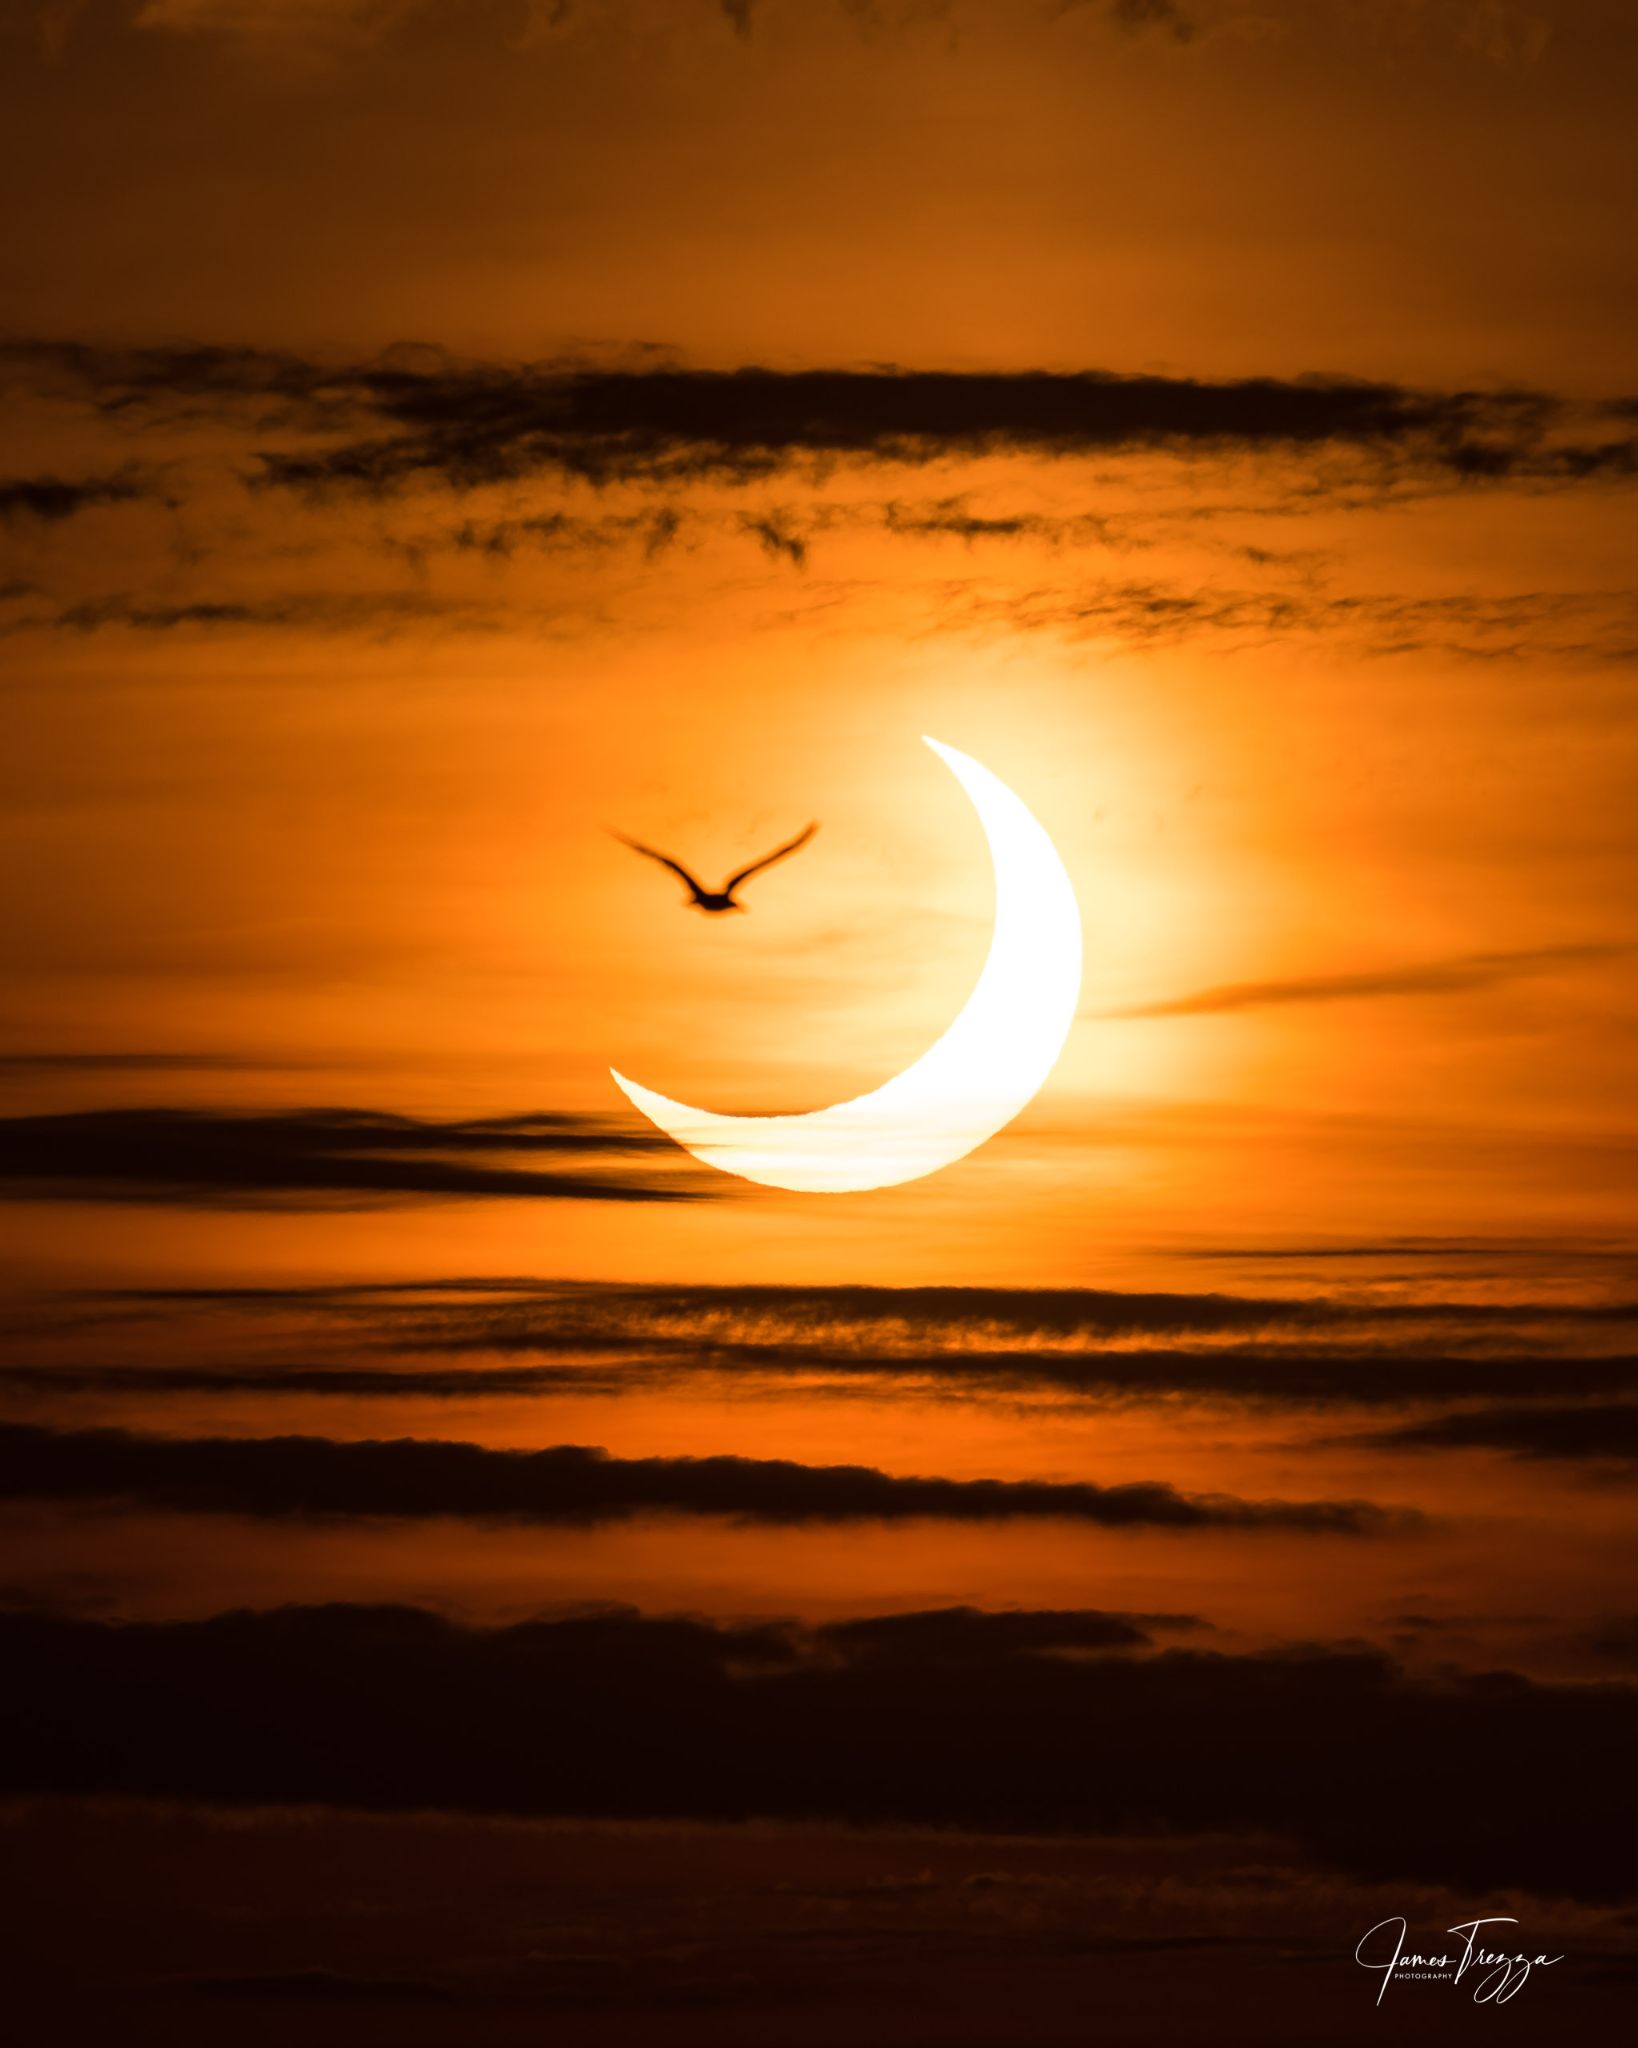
954	519
778	536
1459	974
1151	612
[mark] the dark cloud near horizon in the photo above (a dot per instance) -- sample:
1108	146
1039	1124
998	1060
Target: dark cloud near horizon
419	414
1614	1640
575	1485
322	1987
1459	974
956	1636
317	1157
1012	1726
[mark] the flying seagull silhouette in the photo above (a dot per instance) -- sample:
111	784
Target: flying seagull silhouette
718	900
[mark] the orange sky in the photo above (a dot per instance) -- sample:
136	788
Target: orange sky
437	436
307	784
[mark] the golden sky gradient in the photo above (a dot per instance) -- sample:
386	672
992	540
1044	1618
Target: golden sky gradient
438	436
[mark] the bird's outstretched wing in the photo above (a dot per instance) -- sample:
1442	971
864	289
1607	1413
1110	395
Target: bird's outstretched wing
768	860
664	859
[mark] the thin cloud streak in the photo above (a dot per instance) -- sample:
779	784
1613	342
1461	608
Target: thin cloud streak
135	1062
1584	625
384	613
1459	975
1591	1432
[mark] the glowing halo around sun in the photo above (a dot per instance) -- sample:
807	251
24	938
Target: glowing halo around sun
970	1083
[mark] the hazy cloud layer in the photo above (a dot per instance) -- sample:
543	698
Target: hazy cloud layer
333	33
1134	16
134	1062
319	1156
333	29
1576	626
481	1337
1615	1640
580	1486
1019	1727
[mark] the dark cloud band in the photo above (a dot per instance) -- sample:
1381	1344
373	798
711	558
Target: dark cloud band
318	1156
575	1485
1294	1377
421	414
1018	1724
1592	1432
467	426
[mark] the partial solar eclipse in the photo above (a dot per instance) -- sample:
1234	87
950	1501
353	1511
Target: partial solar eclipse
969	1084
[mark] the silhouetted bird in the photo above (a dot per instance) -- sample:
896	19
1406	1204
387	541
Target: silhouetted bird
721	899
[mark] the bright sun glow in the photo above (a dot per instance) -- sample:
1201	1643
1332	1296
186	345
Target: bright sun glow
964	1088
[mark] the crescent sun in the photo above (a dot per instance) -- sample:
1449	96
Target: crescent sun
991	1061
